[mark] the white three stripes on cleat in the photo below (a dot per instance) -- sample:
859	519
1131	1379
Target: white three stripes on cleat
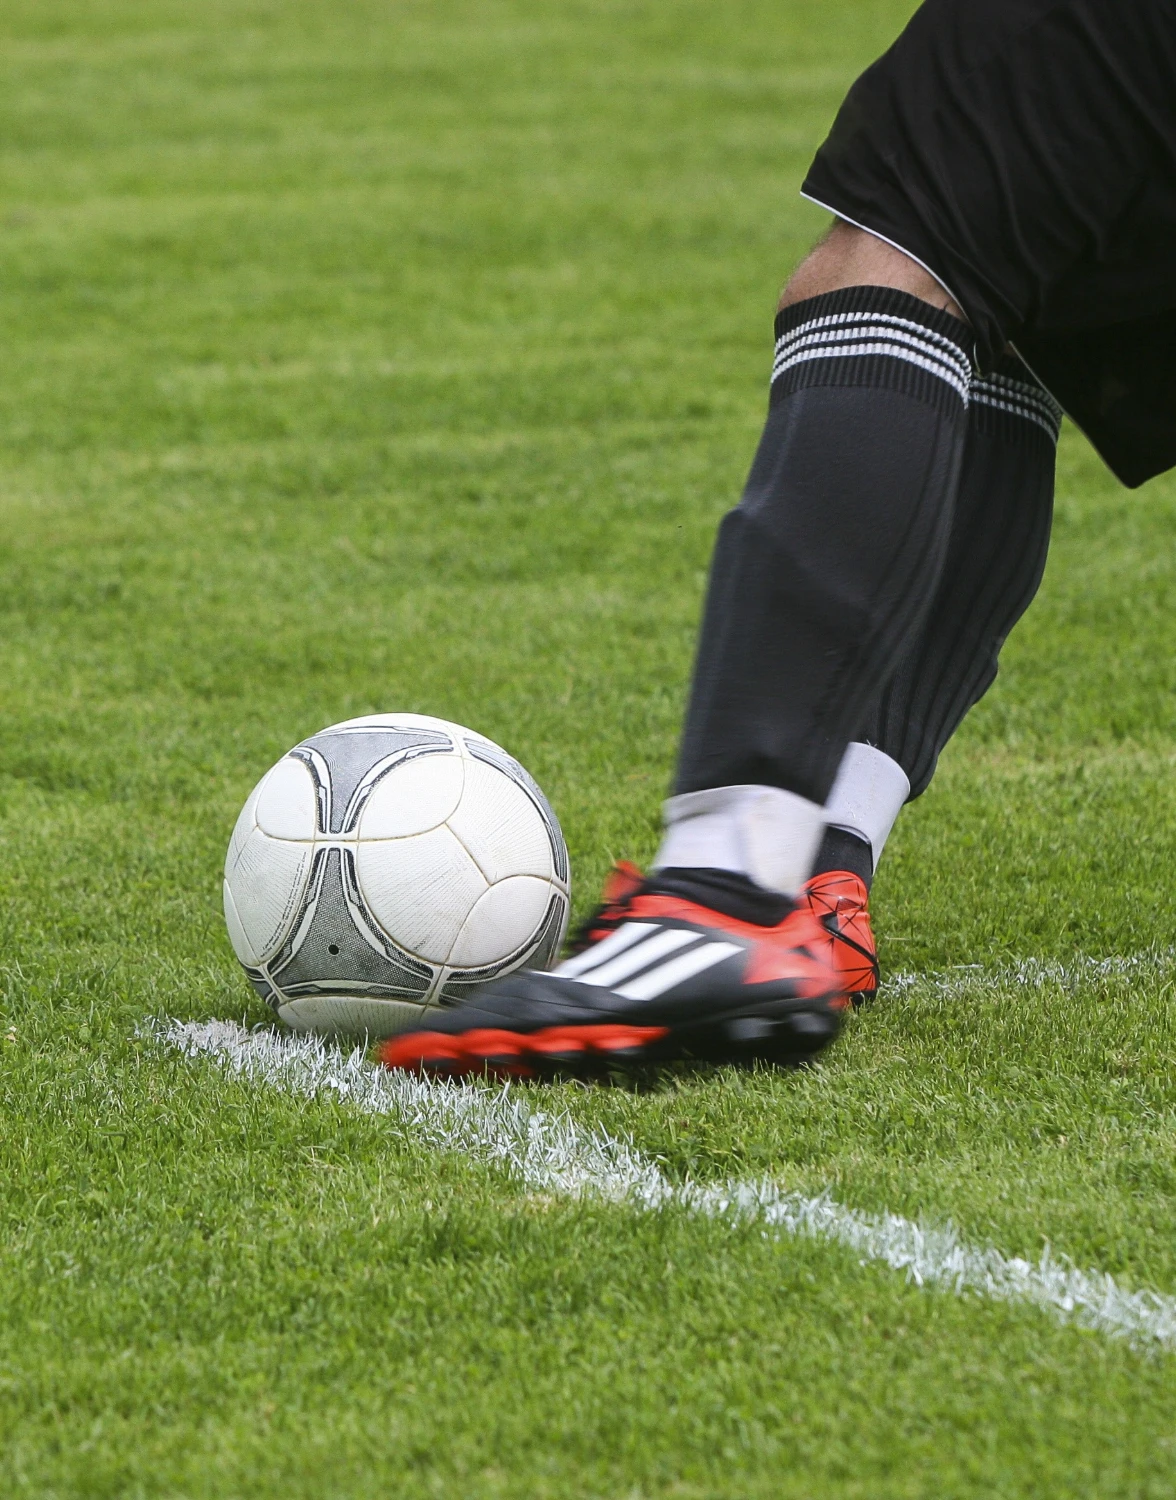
644	949
624	936
654	983
639	956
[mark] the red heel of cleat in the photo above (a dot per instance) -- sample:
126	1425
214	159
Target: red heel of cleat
838	899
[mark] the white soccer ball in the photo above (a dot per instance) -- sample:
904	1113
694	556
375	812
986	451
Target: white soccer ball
388	862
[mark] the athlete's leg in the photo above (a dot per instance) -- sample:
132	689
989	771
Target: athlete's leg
825	570
995	559
820	578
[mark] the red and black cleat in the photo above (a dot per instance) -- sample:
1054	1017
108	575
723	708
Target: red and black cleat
839	901
656	977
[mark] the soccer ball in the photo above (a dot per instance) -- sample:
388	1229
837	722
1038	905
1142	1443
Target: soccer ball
387	864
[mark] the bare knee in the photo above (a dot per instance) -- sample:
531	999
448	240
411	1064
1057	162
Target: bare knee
848	256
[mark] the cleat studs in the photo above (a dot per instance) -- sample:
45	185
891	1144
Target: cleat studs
810	1031
810	1023
623	1041
440	1067
751	1029
556	1046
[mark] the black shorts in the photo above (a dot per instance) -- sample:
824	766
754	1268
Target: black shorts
1025	152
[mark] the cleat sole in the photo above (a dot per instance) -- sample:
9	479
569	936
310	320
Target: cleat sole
782	1036
519	1054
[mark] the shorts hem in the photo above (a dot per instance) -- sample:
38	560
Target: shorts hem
878	235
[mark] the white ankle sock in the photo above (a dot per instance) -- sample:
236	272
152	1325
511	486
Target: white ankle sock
769	835
867	796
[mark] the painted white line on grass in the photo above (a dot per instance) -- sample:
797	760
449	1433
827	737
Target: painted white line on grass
551	1153
1036	973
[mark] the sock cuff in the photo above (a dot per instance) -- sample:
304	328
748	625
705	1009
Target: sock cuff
868	795
763	832
1011	403
874	336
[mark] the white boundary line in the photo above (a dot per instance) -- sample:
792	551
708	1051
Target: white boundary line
1035	973
551	1153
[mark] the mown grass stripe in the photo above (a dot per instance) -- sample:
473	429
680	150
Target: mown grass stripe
551	1153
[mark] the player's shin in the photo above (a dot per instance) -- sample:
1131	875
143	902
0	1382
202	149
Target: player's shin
995	560
996	555
825	570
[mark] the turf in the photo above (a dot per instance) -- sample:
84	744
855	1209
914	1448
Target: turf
404	355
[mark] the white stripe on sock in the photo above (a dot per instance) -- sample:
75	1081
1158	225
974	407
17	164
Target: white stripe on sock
1041	415
831	322
1036	395
926	361
845	327
941	350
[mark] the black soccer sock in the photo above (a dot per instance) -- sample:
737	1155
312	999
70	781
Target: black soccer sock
996	556
842	850
727	891
829	562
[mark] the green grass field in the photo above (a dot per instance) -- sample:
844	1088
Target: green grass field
404	355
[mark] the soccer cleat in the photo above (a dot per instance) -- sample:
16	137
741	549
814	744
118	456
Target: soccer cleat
839	901
658	977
